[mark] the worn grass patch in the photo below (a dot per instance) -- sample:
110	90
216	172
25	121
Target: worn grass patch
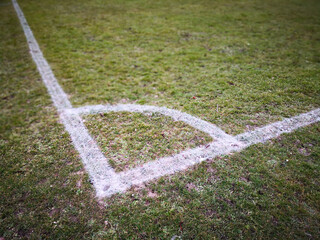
238	64
131	139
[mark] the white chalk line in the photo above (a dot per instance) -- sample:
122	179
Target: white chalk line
204	126
223	144
273	130
57	94
105	180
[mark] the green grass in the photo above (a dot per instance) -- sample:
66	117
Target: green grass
246	62
131	139
268	191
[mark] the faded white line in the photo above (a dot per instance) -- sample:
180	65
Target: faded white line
178	162
273	130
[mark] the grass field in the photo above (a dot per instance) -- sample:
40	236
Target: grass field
254	61
237	64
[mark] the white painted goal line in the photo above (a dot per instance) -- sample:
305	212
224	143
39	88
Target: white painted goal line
105	180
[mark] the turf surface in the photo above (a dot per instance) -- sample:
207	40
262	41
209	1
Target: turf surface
238	64
268	191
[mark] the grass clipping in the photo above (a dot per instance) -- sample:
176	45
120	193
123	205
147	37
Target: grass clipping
131	139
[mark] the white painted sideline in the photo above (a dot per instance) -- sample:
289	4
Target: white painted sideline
105	180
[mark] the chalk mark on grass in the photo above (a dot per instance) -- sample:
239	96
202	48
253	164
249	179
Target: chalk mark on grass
104	178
